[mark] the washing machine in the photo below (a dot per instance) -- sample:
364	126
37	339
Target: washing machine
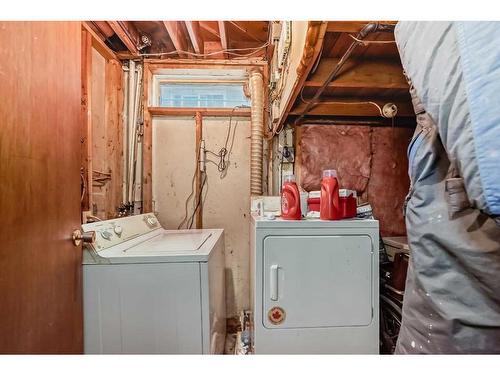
148	290
314	286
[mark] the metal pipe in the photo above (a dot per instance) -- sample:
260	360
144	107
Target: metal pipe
257	131
367	29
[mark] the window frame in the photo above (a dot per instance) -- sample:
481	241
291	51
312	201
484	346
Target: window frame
197	76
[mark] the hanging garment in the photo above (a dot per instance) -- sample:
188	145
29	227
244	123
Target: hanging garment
452	297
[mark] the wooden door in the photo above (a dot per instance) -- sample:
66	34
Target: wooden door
40	268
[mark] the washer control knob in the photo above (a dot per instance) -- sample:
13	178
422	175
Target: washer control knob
106	235
152	221
118	230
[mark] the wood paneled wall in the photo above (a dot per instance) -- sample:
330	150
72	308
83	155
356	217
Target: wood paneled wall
102	129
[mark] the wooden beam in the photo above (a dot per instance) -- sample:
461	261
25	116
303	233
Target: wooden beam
350	26
147	145
382	74
98	43
212	30
127	33
199	172
113	109
314	42
193	28
223	37
213	49
206	112
176	34
245	31
156	65
86	130
354	107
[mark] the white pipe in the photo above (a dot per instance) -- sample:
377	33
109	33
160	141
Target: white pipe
257	131
130	123
133	140
125	136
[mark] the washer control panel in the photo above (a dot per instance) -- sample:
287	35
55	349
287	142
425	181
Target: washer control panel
115	231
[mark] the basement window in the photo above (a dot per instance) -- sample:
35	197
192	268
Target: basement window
197	88
201	95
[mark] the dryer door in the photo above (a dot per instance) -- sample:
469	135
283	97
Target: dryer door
317	281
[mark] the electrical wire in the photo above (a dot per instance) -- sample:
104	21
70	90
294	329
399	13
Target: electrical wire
228	51
222	167
223	163
367	42
199	202
341	102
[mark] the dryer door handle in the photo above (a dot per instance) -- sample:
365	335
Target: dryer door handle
273	282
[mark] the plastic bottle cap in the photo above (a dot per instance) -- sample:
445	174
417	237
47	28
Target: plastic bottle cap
330	173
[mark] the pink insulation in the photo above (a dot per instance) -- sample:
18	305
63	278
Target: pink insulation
370	160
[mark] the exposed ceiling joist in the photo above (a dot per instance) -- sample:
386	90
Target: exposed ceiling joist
245	31
223	36
357	73
212	30
353	107
176	34
128	34
98	43
350	26
193	29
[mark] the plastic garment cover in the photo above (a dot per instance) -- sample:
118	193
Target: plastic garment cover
452	297
455	69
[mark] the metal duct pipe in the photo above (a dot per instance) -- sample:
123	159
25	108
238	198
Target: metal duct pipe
367	29
256	83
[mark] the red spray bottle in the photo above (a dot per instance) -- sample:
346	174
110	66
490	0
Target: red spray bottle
290	199
329	202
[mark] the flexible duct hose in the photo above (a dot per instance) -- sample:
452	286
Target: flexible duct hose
257	131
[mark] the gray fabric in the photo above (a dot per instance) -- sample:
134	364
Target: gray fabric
430	56
452	298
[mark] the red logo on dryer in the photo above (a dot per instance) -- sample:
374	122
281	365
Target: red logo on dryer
276	315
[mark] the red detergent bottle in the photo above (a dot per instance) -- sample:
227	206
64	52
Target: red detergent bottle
290	199
329	203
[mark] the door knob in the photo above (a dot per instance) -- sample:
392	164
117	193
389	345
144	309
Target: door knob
86	237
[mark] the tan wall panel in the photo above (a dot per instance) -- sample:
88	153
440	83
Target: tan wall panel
173	168
227	205
227	200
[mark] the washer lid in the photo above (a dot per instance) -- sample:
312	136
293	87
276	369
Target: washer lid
171	242
162	246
